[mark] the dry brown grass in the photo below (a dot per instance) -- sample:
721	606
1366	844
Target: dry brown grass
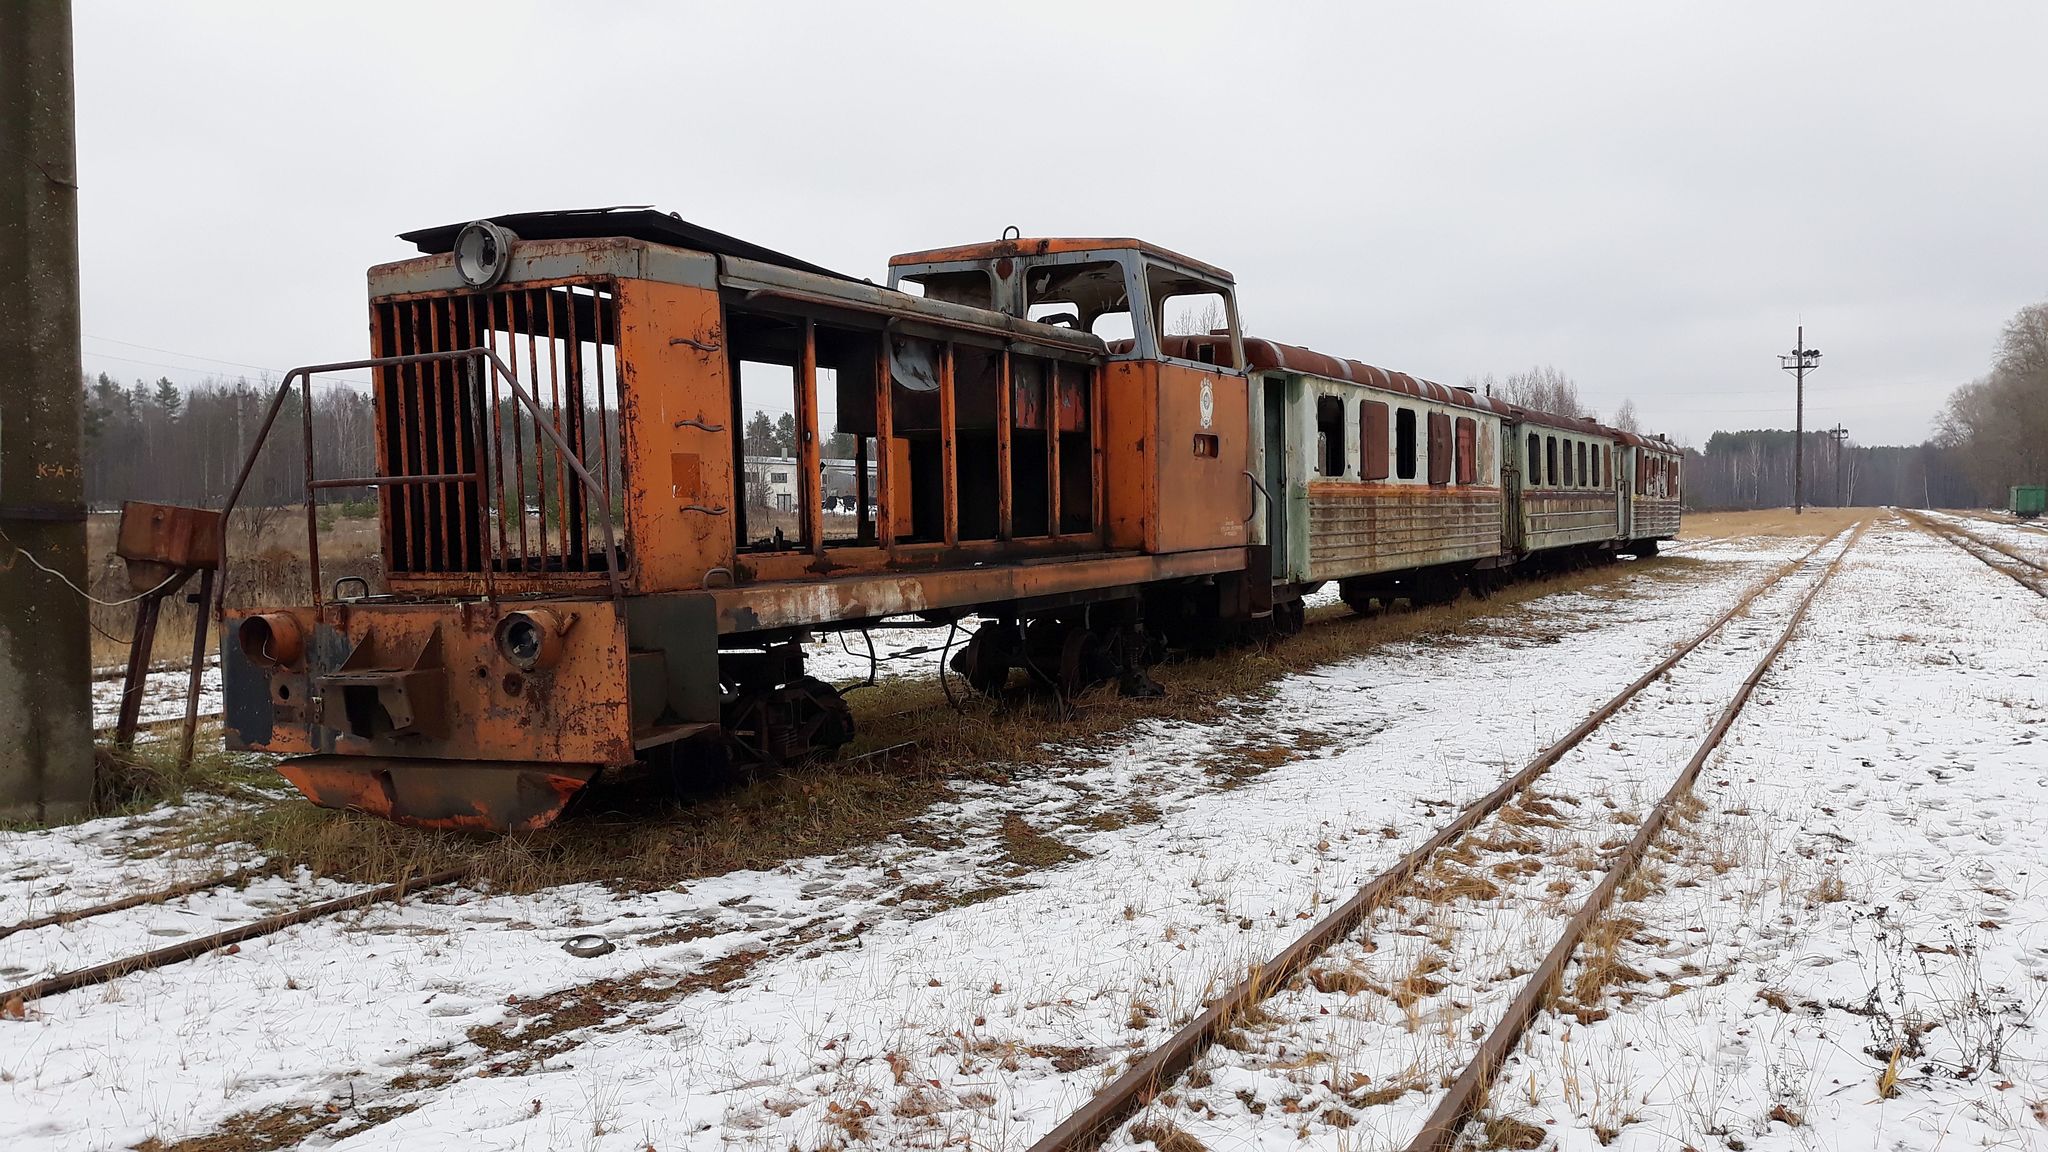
266	566
1772	522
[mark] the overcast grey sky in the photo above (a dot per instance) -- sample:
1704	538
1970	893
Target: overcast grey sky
1648	196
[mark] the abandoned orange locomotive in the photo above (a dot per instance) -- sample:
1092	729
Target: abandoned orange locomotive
591	561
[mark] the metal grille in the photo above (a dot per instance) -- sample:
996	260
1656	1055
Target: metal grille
458	418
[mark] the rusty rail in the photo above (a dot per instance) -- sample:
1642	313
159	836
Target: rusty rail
1957	535
198	946
304	374
170	892
1468	1092
1092	1123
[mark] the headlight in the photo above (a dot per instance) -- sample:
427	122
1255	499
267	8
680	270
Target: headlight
272	640
530	640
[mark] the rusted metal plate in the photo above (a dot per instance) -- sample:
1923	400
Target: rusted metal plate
482	795
862	597
168	534
487	707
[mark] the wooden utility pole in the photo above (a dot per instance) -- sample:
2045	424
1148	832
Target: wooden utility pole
1840	436
1799	362
46	753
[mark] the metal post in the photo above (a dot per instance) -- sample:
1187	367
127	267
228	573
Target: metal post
46	753
1799	362
1840	436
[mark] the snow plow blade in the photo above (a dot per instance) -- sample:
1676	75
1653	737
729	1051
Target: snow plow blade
487	795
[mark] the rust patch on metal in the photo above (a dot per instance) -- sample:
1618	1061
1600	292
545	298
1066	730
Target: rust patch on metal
486	796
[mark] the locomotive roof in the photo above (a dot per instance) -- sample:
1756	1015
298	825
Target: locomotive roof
1052	245
637	222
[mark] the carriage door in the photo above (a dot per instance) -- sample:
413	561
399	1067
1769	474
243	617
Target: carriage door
1276	475
1510	492
1625	490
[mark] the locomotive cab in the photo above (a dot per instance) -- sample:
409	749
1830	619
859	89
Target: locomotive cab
1175	400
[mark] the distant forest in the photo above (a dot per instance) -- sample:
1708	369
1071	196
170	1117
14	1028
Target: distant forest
160	442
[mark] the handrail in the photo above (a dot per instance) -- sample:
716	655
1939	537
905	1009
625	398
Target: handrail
304	376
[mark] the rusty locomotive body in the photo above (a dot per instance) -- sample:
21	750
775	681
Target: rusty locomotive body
592	560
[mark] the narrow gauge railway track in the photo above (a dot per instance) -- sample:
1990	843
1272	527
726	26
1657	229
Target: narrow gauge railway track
13	998
140	899
1150	1075
2027	573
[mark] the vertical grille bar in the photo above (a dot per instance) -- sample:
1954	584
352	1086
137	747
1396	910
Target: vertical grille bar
565	423
519	417
540	451
598	311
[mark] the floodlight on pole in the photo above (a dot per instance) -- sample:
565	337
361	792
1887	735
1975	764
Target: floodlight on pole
1799	362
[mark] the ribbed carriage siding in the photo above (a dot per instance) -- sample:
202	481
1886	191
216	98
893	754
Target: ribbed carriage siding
1373	498
1571	472
1657	488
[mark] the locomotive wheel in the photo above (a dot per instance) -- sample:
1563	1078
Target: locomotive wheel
985	660
1084	662
1355	595
1289	617
776	726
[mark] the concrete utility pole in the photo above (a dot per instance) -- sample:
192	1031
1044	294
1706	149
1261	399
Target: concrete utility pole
46	753
1799	362
1840	436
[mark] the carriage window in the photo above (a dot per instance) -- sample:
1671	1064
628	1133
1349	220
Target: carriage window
1404	443
1330	433
1582	464
1532	469
1439	448
1468	443
1372	440
1550	460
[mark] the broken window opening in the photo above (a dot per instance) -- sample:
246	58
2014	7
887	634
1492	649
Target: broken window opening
1185	306
1550	461
977	381
1030	453
972	287
1092	297
1404	443
1074	398
1330	434
765	351
917	459
1532	468
1583	480
847	463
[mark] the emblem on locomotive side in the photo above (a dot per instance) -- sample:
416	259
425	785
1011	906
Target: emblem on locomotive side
1208	402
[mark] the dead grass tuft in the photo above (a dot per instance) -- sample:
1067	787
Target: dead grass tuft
1029	850
1166	1136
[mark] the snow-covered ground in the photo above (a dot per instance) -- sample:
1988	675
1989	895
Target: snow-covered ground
163	695
941	988
1869	877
